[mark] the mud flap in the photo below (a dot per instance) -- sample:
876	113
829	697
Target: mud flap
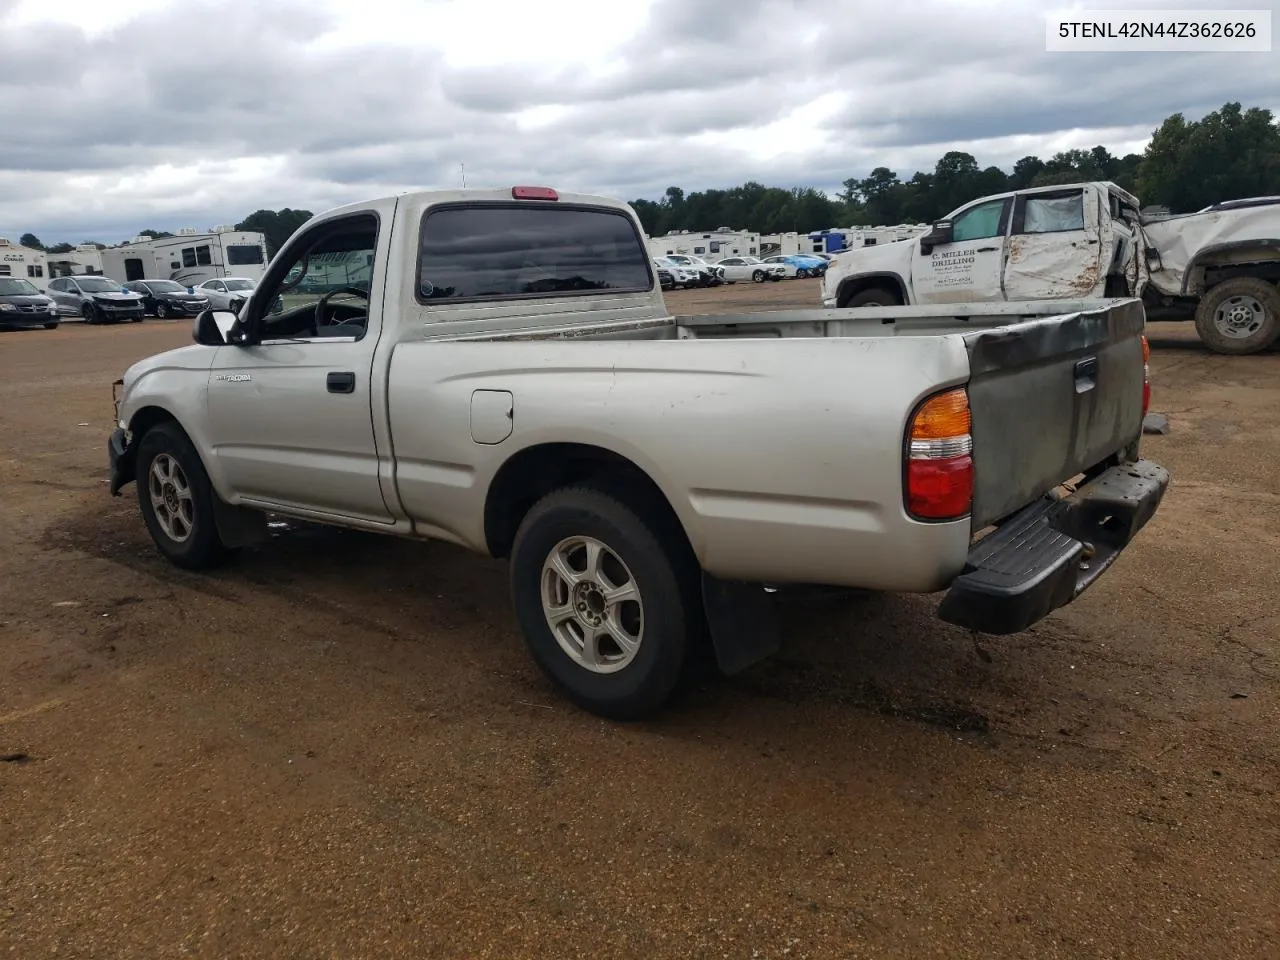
743	622
238	526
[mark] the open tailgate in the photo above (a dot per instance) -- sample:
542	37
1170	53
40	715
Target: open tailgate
1051	398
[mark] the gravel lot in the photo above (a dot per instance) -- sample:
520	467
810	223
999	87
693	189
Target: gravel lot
338	747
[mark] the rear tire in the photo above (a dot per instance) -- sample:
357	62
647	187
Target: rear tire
643	642
177	499
1239	316
873	297
51	326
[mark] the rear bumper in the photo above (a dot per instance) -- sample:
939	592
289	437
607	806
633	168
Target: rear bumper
1047	554
120	460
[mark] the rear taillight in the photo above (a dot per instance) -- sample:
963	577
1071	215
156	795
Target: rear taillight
939	463
1146	375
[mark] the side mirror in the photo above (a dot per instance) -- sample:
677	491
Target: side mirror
941	233
213	328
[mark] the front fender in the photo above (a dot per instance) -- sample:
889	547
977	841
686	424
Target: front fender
172	386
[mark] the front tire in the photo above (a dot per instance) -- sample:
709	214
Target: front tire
1239	316
758	276
162	310
89	312
873	297
177	499
51	326
601	603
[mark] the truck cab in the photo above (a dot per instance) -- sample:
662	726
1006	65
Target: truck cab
1045	243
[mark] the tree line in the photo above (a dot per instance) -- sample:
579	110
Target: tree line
1228	154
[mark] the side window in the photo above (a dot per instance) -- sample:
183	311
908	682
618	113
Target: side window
202	256
1052	213
980	222
505	250
322	290
57	286
218	286
239	254
189	257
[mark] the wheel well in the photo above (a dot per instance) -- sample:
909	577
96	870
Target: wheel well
853	286
534	472
148	417
1214	274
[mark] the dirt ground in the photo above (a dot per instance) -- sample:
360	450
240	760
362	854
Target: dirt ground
338	746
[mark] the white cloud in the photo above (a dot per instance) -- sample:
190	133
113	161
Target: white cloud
155	113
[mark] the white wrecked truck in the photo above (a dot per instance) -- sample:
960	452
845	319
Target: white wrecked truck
498	369
1220	265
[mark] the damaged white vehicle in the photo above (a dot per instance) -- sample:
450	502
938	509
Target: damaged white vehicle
1220	265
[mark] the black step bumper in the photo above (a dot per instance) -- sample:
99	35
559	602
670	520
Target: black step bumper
1046	555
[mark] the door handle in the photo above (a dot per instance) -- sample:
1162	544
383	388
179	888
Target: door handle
1086	374
343	381
986	249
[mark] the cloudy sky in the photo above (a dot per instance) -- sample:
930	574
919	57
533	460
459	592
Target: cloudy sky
118	115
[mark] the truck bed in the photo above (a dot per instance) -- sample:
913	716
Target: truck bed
1055	389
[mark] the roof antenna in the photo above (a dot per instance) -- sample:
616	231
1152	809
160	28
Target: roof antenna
464	175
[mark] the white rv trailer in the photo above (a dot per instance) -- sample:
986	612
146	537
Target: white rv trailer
837	239
188	258
23	263
84	260
712	245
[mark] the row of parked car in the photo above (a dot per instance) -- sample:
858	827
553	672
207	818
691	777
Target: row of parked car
683	270
97	299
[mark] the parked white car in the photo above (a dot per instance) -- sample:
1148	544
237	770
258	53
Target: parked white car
708	273
681	275
734	269
225	289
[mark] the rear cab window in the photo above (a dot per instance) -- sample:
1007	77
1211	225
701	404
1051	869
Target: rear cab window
502	251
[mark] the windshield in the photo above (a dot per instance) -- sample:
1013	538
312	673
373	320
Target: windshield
166	286
238	285
100	285
17	288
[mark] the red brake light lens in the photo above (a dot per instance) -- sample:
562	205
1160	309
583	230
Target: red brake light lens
939	476
534	193
940	489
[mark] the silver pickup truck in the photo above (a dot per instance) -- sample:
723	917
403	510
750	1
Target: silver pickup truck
499	369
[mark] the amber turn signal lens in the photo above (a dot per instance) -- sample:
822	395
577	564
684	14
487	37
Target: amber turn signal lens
946	415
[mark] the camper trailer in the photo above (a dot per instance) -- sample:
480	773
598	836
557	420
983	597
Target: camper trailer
83	261
189	257
711	246
23	263
837	239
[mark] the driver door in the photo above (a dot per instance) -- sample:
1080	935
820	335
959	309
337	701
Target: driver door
291	419
968	269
